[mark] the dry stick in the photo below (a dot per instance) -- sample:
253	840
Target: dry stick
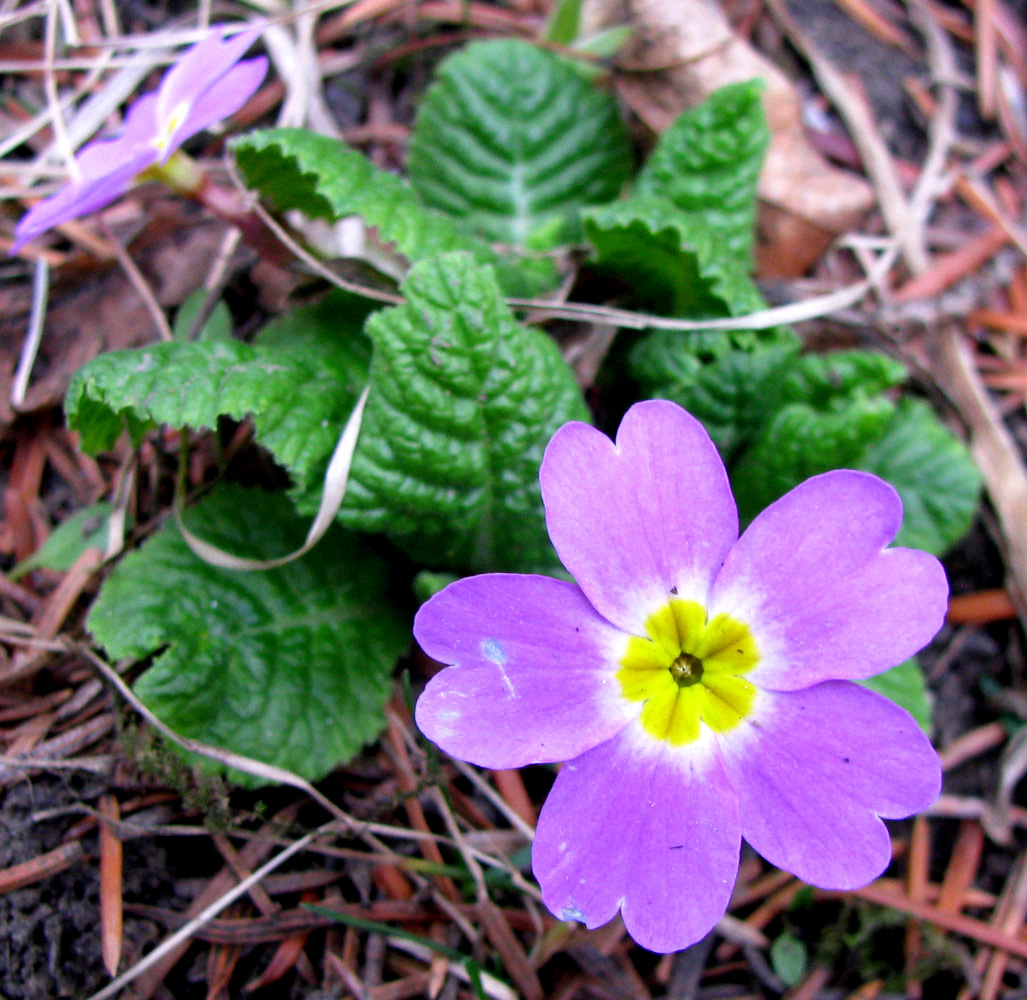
498	801
991	443
266	772
215	282
957	922
1009	919
111	890
962	868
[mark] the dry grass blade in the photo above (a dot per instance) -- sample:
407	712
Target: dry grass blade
267	772
880	164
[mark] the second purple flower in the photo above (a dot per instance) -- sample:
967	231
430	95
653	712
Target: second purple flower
206	85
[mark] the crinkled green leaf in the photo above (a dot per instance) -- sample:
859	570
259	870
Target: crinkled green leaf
731	394
511	136
800	441
463	402
778	418
816	412
819	379
905	685
672	260
932	470
324	179
290	666
707	164
298	381
827	412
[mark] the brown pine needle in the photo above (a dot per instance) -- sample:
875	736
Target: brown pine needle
110	884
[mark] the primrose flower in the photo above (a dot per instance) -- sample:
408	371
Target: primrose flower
207	84
699	686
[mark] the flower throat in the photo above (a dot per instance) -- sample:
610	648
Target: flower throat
688	672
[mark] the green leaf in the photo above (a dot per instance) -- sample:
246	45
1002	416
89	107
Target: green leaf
731	394
563	24
827	412
463	402
789	958
511	136
85	529
605	44
217	326
819	379
669	258
933	472
324	179
779	418
905	685
707	164
801	441
290	666
298	381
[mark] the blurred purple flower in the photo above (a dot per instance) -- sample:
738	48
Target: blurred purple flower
698	685
207	84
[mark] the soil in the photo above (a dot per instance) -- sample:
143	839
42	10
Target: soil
49	944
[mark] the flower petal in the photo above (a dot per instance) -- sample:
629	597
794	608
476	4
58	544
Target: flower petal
229	94
534	676
200	68
124	160
633	520
814	769
642	827
822	595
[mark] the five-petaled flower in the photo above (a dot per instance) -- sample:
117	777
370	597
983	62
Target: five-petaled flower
699	686
206	85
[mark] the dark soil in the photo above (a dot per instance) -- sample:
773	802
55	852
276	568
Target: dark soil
49	931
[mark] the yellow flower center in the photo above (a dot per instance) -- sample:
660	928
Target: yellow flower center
688	672
174	120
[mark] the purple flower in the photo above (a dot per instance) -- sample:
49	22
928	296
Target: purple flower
698	685
207	84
